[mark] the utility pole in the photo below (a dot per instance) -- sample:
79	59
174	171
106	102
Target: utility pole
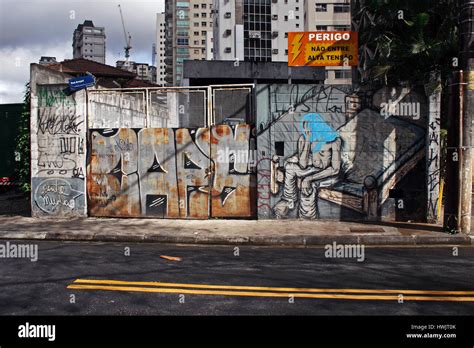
466	12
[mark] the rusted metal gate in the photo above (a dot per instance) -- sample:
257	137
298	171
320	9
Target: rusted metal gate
171	153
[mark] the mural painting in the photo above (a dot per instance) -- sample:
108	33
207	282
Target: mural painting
324	152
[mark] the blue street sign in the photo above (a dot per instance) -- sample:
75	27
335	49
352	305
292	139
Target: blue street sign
81	82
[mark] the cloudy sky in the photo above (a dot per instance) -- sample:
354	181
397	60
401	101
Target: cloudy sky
30	29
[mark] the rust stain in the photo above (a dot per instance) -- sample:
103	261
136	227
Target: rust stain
180	134
108	197
223	130
243	135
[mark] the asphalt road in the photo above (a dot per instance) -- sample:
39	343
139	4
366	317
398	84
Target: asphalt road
41	287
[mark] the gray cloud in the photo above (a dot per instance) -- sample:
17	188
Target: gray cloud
32	28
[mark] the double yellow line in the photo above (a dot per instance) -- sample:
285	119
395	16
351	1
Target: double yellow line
260	291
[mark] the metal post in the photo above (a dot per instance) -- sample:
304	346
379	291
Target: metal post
467	63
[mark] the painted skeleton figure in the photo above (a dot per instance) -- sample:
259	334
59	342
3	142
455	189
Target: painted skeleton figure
317	163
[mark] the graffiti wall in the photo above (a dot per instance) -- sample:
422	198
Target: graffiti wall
193	173
314	152
326	152
58	152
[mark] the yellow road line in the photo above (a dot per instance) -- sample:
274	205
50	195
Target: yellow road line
273	289
270	294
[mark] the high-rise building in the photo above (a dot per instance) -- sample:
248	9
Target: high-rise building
160	49
257	30
89	42
334	15
187	27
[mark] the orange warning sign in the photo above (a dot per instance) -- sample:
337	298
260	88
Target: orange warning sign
323	48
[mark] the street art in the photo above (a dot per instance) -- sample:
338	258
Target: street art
58	164
433	157
315	152
59	134
324	152
58	196
318	158
170	172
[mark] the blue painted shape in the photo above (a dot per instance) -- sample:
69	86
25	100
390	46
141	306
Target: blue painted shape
320	131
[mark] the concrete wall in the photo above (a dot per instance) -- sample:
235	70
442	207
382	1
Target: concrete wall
58	146
326	153
321	152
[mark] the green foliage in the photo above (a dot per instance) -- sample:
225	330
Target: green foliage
23	144
405	41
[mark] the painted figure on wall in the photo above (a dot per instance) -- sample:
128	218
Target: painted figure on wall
325	152
316	163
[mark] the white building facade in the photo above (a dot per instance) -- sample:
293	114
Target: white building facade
89	42
257	30
160	49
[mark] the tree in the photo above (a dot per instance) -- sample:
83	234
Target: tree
23	144
406	41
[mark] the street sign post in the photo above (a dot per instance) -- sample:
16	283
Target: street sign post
323	48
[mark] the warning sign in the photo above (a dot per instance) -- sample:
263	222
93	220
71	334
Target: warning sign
323	48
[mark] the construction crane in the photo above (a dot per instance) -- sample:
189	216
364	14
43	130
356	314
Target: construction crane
128	38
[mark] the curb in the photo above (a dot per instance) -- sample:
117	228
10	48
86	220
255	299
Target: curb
285	240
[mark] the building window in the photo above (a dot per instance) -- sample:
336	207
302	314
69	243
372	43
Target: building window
203	24
321	7
342	74
321	28
341	8
203	15
341	28
203	6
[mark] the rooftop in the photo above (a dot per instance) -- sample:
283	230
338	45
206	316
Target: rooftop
107	76
87	23
82	66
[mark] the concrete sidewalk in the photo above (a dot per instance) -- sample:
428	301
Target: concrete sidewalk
298	233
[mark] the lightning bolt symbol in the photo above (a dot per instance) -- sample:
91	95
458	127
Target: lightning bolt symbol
296	43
